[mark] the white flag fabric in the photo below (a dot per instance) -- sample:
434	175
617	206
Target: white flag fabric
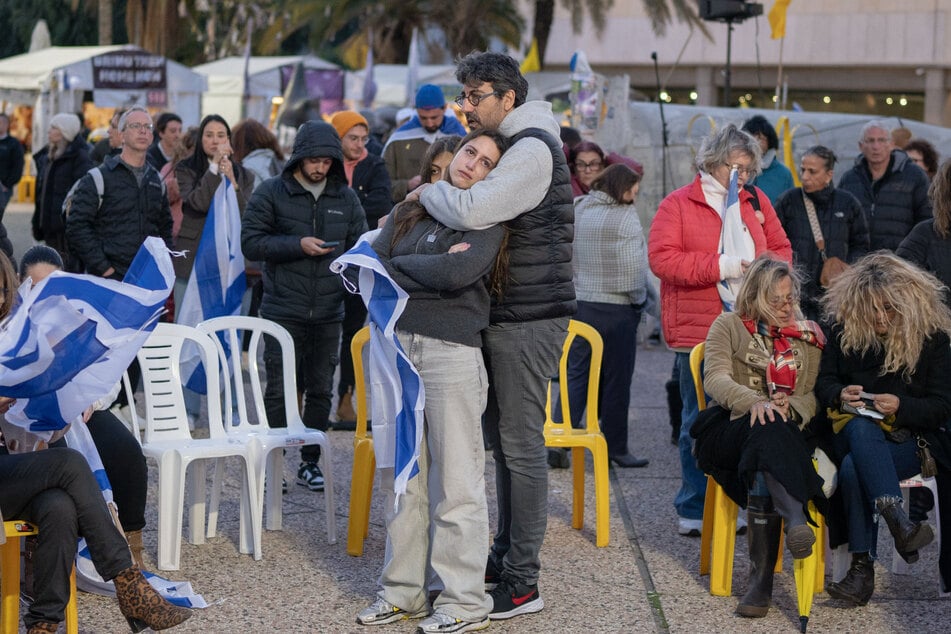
398	395
735	240
216	284
71	337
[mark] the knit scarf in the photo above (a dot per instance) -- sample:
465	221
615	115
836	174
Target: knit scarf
781	371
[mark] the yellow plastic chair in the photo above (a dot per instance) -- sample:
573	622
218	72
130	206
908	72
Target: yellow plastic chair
562	434
718	531
26	188
15	531
364	461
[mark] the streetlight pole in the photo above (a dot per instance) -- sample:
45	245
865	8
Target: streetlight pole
727	78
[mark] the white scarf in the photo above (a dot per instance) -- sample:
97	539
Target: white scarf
735	238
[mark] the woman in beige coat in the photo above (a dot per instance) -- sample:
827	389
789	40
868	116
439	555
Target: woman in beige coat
761	364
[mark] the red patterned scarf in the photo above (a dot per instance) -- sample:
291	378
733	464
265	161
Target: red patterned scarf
781	371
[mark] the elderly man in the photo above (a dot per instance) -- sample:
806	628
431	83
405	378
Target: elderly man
405	148
296	223
892	189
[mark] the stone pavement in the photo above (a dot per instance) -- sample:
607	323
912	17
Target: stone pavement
645	580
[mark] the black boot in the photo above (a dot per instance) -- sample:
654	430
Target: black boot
909	536
763	538
674	409
858	584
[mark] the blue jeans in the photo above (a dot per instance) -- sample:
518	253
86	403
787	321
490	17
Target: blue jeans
520	359
693	482
617	325
871	469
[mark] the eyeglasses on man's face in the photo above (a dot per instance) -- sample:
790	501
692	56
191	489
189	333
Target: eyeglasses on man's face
135	127
474	98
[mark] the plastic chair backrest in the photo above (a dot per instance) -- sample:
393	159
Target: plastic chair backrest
590	335
130	399
230	331
357	345
696	370
160	360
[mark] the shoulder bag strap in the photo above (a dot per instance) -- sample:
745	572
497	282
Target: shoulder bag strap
814	224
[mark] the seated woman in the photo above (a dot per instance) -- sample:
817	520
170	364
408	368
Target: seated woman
442	519
55	489
888	354
121	453
760	367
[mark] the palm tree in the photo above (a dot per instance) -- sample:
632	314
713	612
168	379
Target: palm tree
661	13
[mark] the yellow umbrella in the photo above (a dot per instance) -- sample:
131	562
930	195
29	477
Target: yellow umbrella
809	572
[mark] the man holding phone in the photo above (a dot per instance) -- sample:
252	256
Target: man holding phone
296	223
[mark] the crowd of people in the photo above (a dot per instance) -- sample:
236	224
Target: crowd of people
824	311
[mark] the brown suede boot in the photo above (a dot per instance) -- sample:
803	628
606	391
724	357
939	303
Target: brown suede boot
135	546
42	626
142	606
345	411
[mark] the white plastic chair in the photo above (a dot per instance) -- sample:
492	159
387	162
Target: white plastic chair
270	441
899	565
168	440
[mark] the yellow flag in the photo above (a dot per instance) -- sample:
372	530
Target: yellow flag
532	63
777	19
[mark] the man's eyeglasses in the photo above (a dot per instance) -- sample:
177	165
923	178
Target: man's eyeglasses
474	98
148	127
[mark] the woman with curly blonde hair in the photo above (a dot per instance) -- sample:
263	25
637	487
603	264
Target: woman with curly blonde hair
883	379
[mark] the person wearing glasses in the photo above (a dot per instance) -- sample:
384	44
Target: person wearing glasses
404	150
760	367
587	160
701	243
106	226
884	382
892	189
842	226
530	192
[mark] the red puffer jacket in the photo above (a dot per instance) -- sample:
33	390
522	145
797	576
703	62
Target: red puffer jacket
682	250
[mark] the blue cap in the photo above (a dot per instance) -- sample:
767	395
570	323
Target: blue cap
430	96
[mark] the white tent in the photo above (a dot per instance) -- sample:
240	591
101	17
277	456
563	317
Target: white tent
390	82
265	81
55	79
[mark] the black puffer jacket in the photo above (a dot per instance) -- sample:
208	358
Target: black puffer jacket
298	287
540	278
930	251
894	203
844	230
371	181
53	181
110	234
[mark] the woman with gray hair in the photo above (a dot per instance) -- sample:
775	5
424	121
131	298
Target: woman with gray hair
702	240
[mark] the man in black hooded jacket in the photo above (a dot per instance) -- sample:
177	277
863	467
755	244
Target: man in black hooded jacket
297	223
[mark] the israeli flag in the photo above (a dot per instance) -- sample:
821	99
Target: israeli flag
398	395
217	283
735	240
71	337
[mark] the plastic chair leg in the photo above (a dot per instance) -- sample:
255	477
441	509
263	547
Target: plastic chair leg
215	502
251	511
601	495
706	531
274	495
10	585
326	457
171	494
723	544
361	486
577	498
196	477
72	611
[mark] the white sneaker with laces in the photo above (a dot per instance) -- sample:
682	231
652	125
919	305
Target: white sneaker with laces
689	528
440	622
382	612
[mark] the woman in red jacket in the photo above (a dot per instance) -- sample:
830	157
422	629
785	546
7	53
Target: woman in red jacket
700	246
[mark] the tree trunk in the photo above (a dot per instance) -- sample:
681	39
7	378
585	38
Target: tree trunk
544	15
105	22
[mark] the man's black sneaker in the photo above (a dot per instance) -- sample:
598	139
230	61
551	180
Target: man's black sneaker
511	599
493	576
310	476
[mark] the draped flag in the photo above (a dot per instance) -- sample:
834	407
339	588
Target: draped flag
398	394
412	69
217	283
369	84
735	240
72	336
777	19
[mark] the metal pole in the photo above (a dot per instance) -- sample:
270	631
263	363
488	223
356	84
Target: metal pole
727	78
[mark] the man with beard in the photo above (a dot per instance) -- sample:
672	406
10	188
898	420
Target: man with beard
297	223
405	148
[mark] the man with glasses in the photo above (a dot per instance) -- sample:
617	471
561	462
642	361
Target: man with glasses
108	221
892	189
529	191
405	148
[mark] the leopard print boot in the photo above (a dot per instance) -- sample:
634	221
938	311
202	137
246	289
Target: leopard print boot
142	606
43	627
